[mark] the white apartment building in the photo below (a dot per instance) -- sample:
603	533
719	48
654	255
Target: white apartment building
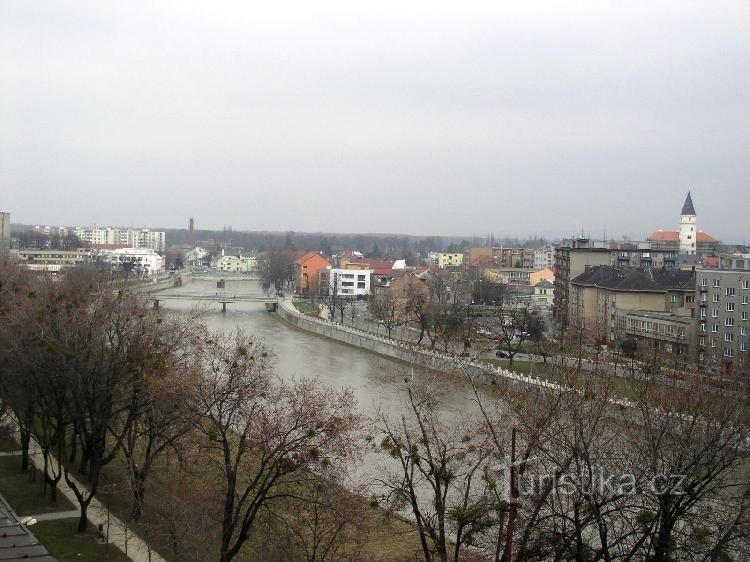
147	238
237	264
141	261
347	282
544	258
131	237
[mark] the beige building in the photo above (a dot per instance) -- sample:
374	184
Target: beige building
600	291
52	261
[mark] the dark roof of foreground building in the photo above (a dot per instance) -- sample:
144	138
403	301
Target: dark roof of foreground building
618	279
674	279
687	208
16	541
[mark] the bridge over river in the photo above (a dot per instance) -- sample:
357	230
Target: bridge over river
222	297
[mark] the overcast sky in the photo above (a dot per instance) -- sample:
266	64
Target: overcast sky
425	118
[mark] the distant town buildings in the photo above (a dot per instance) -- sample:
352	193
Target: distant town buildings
124	237
307	273
450	259
350	282
142	262
52	261
4	232
237	264
688	240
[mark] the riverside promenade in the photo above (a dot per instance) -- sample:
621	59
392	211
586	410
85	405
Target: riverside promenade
116	531
479	371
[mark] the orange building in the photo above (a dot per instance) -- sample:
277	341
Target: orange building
307	273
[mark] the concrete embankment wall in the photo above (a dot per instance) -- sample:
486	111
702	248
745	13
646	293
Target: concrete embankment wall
484	373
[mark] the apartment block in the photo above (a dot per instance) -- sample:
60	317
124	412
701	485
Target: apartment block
724	319
4	232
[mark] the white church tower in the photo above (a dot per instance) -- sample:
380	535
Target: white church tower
688	228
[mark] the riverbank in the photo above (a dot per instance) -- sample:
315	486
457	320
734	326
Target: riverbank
481	372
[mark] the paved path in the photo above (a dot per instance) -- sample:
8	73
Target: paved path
56	515
120	534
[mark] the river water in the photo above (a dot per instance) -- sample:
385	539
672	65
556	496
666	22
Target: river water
377	382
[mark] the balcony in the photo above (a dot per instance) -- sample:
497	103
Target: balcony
703	304
703	289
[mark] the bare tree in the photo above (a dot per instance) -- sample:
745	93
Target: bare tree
438	477
266	435
386	310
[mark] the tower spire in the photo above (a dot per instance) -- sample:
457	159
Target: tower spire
687	208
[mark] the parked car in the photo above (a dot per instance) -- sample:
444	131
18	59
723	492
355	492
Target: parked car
502	355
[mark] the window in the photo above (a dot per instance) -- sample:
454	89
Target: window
715	328
744	315
743	346
715	313
743	331
675	298
746	284
744	299
704	282
703	312
716	282
728	336
729	321
730	291
715	297
714	343
728	352
703	327
702	341
730	307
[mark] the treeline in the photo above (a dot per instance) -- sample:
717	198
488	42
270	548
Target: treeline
97	379
372	245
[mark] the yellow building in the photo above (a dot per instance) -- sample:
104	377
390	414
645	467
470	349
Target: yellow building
450	259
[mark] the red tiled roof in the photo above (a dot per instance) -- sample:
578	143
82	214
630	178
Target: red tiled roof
674	235
481	261
308	256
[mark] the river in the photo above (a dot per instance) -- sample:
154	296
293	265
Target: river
377	382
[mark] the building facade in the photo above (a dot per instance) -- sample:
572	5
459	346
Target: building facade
4	232
142	262
52	261
128	237
345	282
237	264
307	273
452	259
663	331
724	319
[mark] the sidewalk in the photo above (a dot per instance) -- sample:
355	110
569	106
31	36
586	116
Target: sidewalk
120	534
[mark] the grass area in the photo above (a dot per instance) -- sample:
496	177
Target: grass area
183	520
66	544
307	308
24	494
7	443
